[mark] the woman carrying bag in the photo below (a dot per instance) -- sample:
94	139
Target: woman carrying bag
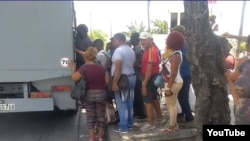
175	41
95	98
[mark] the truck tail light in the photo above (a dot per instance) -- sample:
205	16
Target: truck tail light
61	88
40	95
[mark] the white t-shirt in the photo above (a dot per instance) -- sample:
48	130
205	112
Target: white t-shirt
102	58
127	55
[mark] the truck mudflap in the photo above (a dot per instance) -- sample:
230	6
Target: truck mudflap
63	101
26	105
62	98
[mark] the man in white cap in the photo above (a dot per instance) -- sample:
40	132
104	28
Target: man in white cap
150	69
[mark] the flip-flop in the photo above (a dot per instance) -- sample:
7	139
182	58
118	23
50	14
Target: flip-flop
168	130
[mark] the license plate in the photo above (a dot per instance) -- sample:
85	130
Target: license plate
7	107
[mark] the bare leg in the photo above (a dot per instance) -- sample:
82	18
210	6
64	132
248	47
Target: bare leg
149	110
100	132
157	108
91	134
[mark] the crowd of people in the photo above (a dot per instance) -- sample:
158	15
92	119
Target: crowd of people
238	82
139	62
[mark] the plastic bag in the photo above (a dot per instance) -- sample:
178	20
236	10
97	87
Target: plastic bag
192	97
179	110
110	113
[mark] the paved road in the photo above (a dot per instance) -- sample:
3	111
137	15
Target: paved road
42	126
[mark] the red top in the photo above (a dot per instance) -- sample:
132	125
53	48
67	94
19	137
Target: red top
150	55
95	75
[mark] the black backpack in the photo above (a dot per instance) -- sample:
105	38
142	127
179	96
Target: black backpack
108	62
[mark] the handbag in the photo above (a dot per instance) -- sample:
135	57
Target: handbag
122	83
158	81
165	74
162	77
79	91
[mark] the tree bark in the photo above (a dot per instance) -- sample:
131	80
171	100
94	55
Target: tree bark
206	57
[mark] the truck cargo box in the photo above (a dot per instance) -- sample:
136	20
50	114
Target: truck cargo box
34	37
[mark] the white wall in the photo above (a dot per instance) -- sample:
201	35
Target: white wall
160	40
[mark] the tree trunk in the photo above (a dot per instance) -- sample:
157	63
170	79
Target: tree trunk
207	65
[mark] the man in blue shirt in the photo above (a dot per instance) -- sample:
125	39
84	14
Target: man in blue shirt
123	61
185	71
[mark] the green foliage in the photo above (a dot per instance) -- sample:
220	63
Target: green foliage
161	27
243	47
127	34
98	34
134	27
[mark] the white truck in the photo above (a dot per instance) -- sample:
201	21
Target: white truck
36	39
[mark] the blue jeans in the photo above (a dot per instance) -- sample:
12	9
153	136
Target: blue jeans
125	102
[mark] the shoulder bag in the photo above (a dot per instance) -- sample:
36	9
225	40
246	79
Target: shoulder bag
79	91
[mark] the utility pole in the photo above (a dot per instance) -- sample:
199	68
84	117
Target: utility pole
111	30
90	23
74	15
148	10
241	27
